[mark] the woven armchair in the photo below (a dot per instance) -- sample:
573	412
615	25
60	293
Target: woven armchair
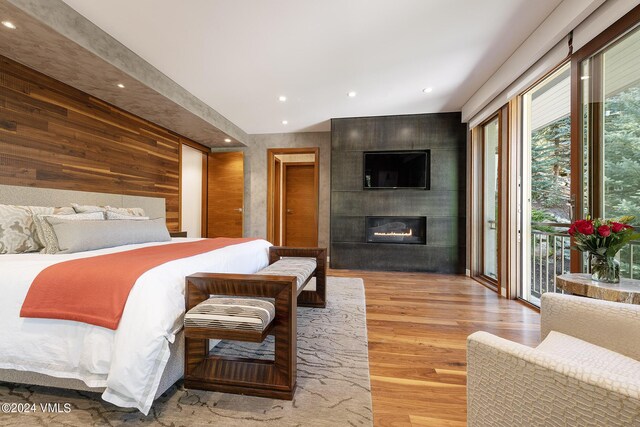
586	371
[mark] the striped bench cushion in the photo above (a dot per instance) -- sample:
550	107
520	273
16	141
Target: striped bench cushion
243	314
300	267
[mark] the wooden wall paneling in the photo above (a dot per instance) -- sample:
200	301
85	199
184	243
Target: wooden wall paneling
55	136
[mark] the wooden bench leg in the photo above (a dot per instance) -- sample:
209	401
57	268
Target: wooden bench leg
264	378
317	298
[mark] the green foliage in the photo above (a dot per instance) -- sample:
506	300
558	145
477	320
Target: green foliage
622	153
551	159
551	165
542	216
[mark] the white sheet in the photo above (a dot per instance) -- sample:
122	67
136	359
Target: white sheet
129	361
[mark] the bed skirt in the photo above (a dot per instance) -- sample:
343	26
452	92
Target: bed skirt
172	373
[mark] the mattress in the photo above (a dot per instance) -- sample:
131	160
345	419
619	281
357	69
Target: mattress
128	362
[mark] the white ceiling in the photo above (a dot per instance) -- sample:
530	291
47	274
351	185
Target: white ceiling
239	56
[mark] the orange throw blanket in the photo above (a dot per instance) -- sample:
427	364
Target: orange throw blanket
94	290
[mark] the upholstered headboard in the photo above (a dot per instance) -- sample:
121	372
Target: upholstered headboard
154	207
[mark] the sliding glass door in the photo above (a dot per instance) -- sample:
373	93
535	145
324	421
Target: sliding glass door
490	185
546	203
590	168
610	104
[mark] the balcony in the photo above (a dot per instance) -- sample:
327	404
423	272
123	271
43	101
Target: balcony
550	257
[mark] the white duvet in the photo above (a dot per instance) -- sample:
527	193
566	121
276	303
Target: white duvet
129	361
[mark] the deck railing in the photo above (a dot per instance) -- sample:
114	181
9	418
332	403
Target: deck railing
550	257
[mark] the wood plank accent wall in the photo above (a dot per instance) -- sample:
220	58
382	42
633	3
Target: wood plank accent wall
55	136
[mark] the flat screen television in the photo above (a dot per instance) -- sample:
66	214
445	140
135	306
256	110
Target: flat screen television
396	169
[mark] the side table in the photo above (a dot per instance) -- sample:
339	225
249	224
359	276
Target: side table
628	290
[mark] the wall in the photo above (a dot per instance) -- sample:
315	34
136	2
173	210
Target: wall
541	48
55	136
255	175
443	205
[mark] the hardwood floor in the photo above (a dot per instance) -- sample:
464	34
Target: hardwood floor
417	326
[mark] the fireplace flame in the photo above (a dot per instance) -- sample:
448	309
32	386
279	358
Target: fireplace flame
394	233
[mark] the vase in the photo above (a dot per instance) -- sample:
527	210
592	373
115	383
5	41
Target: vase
605	269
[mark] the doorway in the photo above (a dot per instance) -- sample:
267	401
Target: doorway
547	174
292	196
490	200
193	184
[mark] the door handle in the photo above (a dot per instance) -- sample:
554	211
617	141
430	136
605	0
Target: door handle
289	211
238	210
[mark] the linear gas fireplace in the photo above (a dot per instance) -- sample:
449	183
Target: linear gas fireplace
396	229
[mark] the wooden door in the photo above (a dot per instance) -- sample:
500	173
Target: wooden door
300	216
225	194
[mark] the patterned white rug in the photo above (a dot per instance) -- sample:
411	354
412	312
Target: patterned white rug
333	382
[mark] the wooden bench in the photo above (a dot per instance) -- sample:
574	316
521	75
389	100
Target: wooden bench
250	307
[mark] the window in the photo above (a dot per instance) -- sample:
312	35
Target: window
610	106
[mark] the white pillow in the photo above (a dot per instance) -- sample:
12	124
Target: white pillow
126	211
87	208
116	215
123	211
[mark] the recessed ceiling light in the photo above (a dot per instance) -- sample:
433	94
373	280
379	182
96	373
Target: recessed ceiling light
285	122
227	140
120	85
9	25
584	77
351	94
427	90
282	98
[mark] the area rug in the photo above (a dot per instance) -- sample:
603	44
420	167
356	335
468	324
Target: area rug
333	382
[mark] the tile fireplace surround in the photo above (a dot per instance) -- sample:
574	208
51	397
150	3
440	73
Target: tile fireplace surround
439	245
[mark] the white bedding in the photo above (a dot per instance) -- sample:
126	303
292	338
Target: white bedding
129	361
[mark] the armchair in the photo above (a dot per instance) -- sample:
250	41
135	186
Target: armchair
586	371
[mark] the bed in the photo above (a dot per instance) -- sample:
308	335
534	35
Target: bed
131	365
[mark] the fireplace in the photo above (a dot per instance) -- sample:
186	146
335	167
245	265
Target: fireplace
396	229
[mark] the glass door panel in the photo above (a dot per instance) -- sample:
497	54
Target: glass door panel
611	126
546	184
491	139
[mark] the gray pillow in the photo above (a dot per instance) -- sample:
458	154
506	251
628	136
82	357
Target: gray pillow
45	232
79	236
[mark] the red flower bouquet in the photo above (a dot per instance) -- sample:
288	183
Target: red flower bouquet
603	238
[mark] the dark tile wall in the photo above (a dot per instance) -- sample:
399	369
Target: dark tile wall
443	205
